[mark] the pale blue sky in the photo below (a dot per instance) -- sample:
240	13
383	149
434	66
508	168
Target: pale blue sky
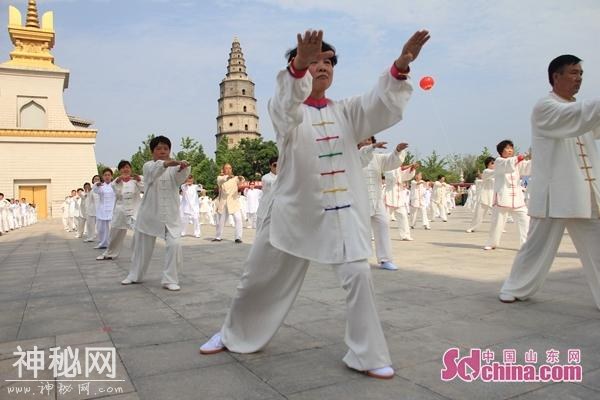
154	66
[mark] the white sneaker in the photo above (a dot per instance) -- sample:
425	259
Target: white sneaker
507	298
171	286
388	265
126	281
489	247
381	373
213	346
470	230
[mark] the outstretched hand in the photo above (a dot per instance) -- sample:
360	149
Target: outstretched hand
379	145
411	49
401	146
309	49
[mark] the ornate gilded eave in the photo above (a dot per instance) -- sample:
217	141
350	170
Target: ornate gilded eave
32	42
41	133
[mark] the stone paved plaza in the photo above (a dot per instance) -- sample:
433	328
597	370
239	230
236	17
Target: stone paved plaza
54	293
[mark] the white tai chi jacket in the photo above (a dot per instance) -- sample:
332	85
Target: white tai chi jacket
160	205
190	203
253	197
486	188
127	204
439	193
395	194
375	165
106	201
417	193
567	171
320	208
507	186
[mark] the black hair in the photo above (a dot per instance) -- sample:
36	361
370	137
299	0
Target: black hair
273	160
159	139
440	177
107	170
123	163
504	144
99	177
373	140
2	194
87	183
324	47
488	161
78	189
559	63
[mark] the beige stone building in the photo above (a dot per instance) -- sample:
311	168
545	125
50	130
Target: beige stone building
45	153
238	116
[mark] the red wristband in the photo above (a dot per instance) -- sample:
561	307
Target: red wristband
400	75
294	72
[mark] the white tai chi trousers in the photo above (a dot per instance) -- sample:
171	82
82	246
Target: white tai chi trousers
499	216
251	220
480	211
237	217
103	228
115	242
440	210
268	288
80	226
90	228
143	247
207	218
534	259
194	219
414	212
403	226
380	226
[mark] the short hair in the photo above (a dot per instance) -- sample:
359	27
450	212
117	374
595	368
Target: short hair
122	164
2	194
87	184
373	140
504	144
105	170
159	139
78	189
440	177
559	63
273	160
488	161
99	177
290	54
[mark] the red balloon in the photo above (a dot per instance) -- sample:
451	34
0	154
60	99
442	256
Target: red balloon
426	83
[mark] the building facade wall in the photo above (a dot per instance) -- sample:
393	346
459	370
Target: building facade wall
60	165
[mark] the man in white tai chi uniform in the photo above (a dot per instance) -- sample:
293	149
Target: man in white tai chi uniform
564	187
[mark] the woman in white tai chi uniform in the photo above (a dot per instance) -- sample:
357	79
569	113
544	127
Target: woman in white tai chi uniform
319	210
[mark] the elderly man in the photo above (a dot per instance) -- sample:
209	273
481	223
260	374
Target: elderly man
564	190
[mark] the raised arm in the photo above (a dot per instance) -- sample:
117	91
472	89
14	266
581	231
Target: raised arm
557	120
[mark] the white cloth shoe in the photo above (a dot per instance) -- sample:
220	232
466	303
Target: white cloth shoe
171	286
388	265
381	373
213	346
489	247
127	281
507	298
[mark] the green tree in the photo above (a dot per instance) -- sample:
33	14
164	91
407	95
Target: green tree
433	165
410	158
250	158
101	167
204	170
141	156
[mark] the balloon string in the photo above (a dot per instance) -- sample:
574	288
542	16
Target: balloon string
440	124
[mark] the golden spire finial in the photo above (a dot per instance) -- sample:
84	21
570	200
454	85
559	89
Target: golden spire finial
32	15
